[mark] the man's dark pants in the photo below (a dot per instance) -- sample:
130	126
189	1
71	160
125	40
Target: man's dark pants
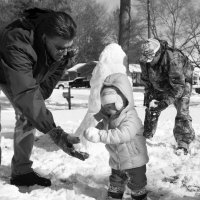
183	131
23	140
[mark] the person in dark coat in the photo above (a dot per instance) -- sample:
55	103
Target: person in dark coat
34	52
167	76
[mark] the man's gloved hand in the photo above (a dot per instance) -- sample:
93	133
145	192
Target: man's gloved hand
92	134
72	52
157	106
147	99
65	142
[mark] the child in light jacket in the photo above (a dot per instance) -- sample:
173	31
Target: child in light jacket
121	130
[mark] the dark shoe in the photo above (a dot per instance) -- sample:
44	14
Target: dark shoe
114	193
30	179
141	197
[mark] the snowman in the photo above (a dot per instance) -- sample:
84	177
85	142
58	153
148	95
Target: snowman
112	60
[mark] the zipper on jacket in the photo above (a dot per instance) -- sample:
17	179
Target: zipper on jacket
117	153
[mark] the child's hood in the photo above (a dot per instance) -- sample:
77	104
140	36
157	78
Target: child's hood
121	82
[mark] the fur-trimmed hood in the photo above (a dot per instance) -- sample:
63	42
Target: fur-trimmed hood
122	83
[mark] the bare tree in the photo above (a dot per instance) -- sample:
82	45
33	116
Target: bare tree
90	18
176	21
191	42
182	22
124	25
171	16
149	18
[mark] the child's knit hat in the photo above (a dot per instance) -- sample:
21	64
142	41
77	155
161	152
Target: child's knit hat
110	95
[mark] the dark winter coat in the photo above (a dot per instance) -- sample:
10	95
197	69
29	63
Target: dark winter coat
166	80
27	71
123	134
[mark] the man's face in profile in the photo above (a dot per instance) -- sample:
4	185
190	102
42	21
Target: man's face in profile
57	47
148	53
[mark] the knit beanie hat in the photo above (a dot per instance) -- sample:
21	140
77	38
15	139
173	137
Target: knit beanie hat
149	49
110	95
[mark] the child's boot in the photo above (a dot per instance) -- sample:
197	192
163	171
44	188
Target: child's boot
139	197
135	194
139	194
114	193
110	198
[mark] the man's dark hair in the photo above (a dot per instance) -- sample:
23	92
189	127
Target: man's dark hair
60	24
53	23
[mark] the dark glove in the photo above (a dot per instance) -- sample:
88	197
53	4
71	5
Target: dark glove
147	98
65	142
161	106
72	52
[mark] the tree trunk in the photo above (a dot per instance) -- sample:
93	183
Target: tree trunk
149	18
124	27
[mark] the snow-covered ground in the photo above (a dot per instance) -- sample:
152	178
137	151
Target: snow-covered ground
169	177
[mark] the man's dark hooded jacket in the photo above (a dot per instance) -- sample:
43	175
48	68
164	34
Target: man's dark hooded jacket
26	69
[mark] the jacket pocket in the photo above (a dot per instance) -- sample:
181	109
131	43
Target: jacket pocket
132	147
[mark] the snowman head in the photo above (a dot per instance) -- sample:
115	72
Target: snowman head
114	58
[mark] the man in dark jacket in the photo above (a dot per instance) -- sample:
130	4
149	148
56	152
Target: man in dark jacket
167	76
34	52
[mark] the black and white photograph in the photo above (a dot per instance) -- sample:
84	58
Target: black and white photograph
99	99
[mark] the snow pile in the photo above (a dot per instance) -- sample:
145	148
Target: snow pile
169	177
112	60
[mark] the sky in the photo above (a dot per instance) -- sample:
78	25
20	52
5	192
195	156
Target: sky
110	3
113	4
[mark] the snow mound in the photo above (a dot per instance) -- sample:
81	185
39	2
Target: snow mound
112	60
